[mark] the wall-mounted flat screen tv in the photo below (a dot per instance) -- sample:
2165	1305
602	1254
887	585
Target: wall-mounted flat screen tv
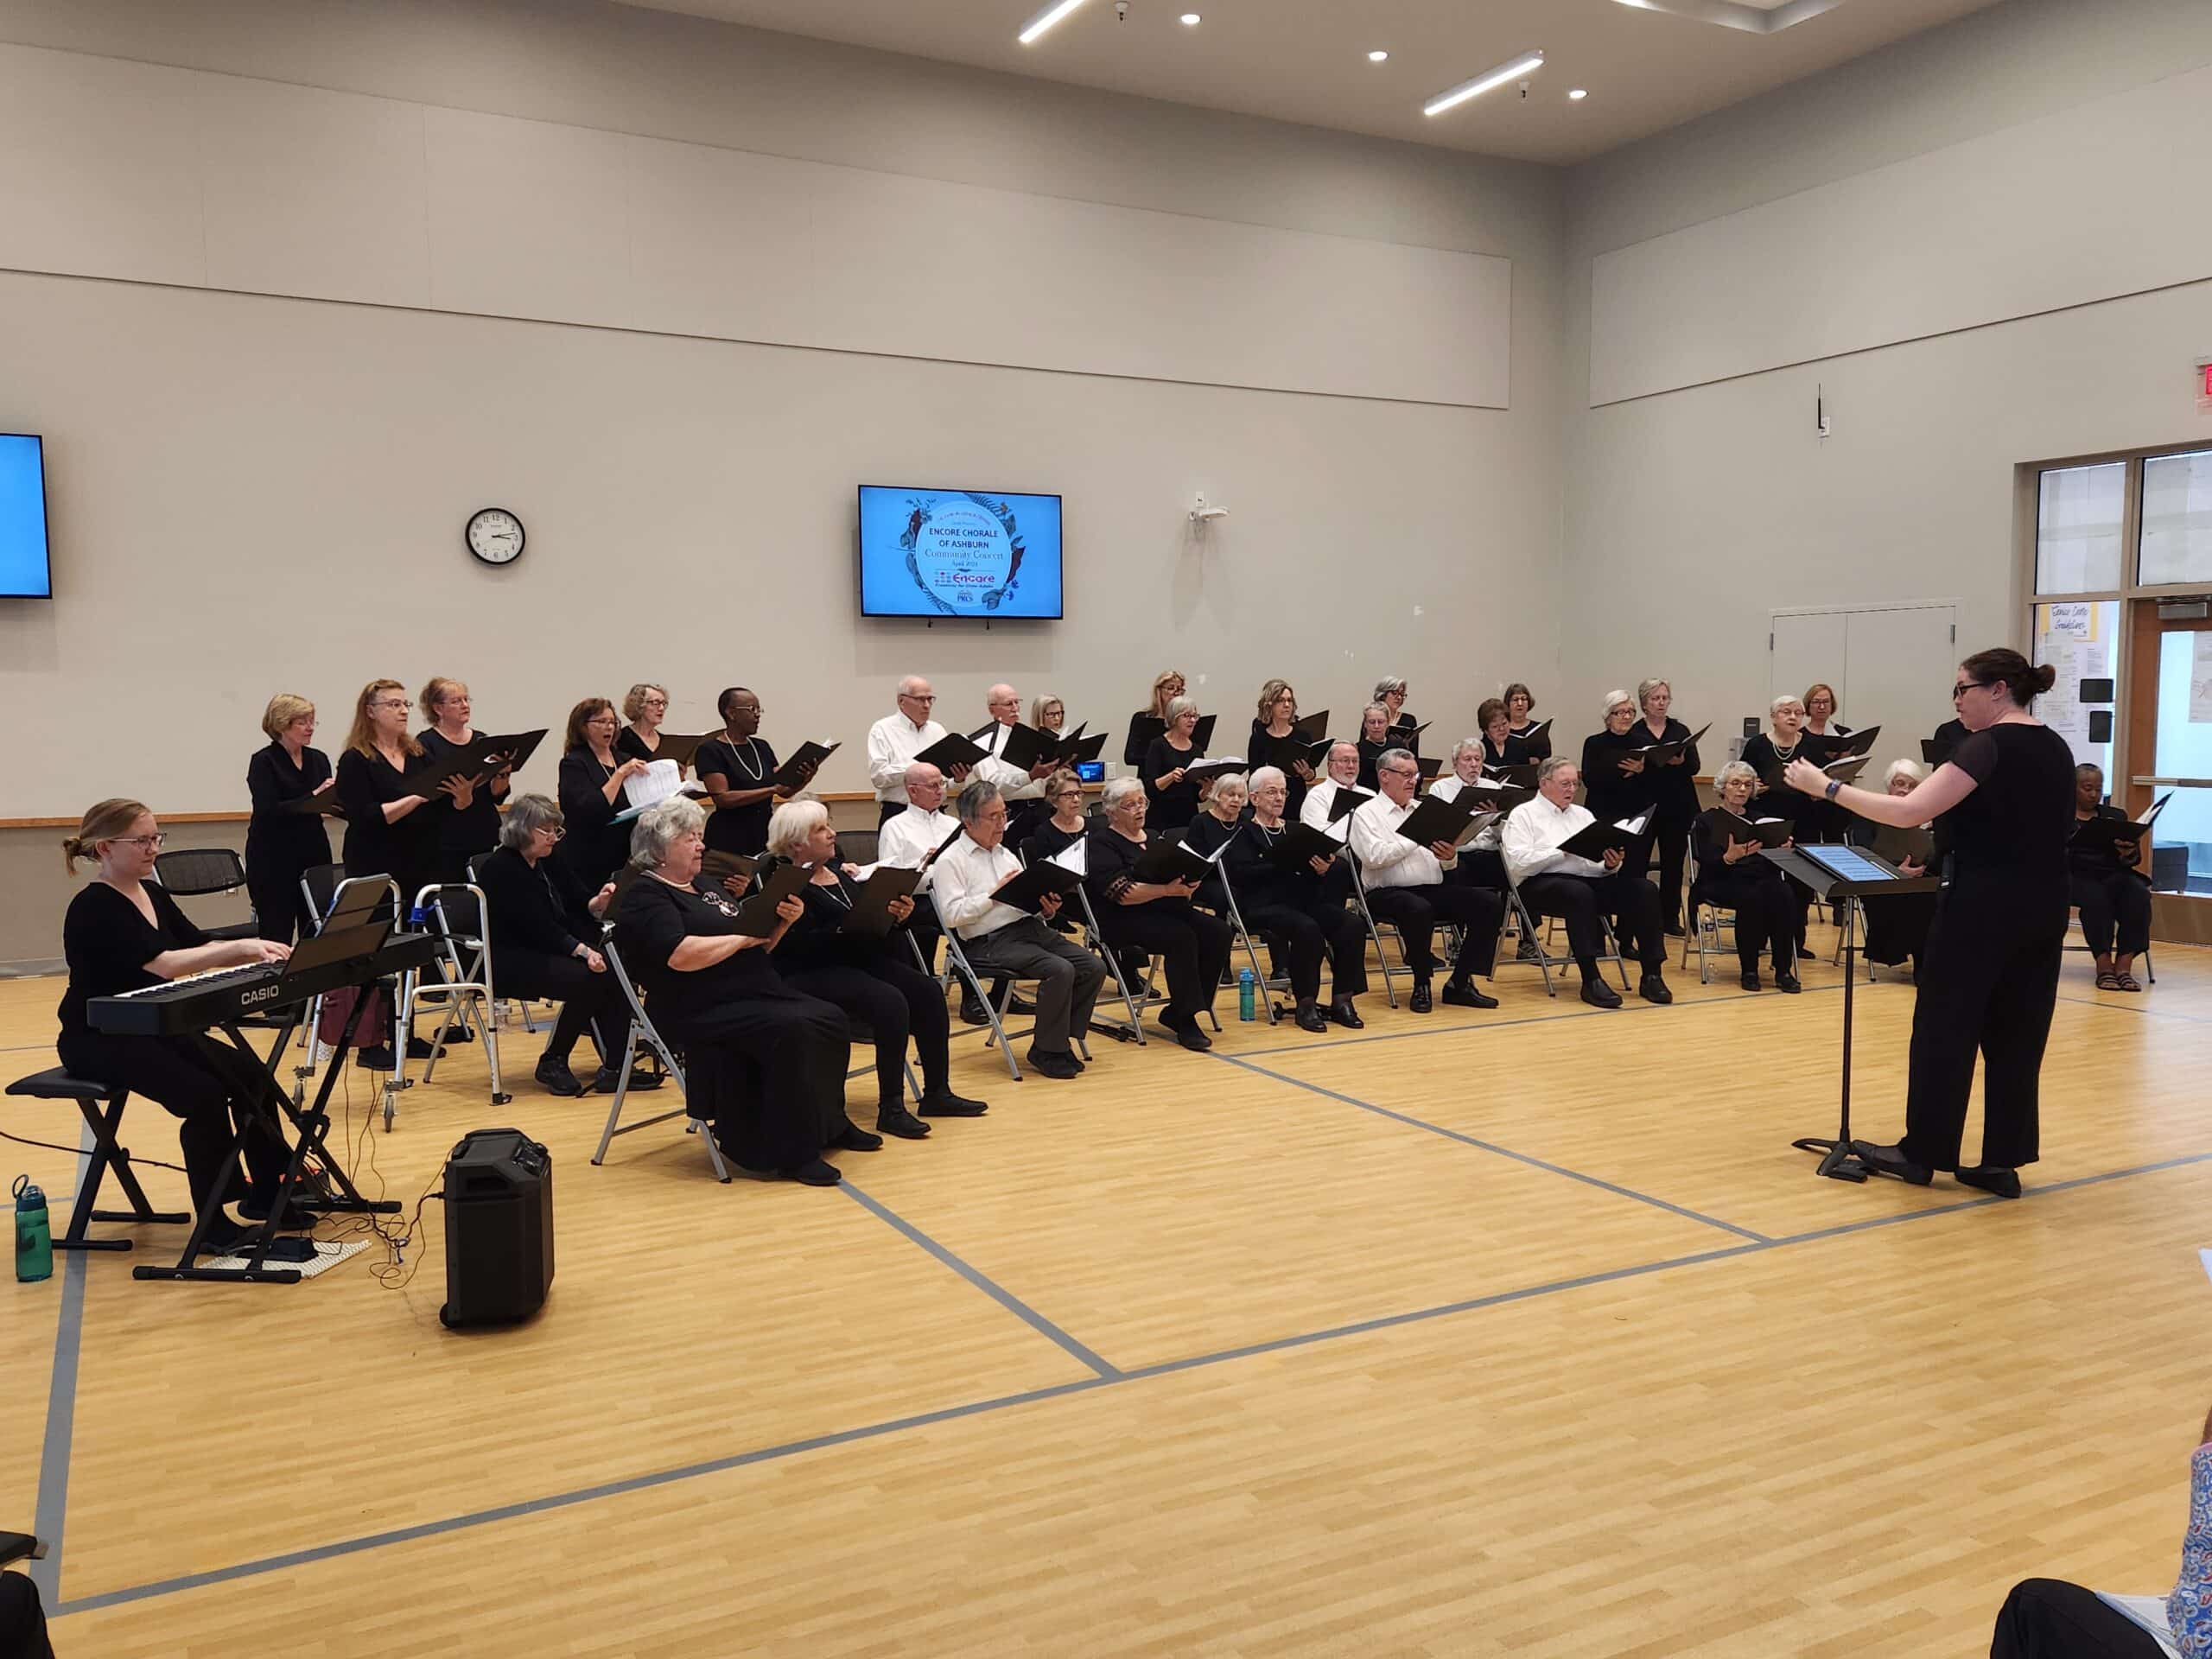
24	571
958	553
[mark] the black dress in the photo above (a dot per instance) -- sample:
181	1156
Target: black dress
1775	799
405	848
459	832
1265	749
1178	804
1513	753
1048	839
280	847
2112	894
1609	793
1765	901
628	746
764	1062
1990	977
1294	910
107	943
1370	753
596	846
749	765
1193	945
1539	747
537	916
1673	793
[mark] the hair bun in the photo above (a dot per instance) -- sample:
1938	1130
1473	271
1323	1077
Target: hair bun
2044	676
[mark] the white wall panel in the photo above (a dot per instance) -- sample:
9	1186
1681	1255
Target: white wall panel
2080	205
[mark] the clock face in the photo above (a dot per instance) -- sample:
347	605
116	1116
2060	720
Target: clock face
495	536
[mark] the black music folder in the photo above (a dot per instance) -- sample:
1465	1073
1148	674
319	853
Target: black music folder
1170	861
1202	733
1499	797
1348	800
1302	841
717	867
1660	753
1025	745
1594	841
756	917
797	771
1436	819
1859	742
1933	752
1312	727
681	749
1765	832
1081	751
1522	774
1024	889
1430	765
2090	831
870	915
1198	772
1143	728
1535	729
1846	769
323	801
1916	845
1404	734
951	750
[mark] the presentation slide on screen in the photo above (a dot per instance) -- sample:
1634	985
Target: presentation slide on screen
22	519
959	553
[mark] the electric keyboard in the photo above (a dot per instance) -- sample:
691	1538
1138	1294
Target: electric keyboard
222	996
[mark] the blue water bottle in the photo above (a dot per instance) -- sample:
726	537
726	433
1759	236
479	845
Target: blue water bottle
34	1238
1247	1005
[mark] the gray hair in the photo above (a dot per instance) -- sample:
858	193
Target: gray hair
907	681
1645	687
1178	707
1614	699
1733	771
1341	743
1463	746
1550	764
790	824
659	828
1262	777
1782	702
1235	780
1118	790
1918	773
526	814
1394	758
1389	684
979	794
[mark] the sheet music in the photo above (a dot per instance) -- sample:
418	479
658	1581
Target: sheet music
1075	857
659	781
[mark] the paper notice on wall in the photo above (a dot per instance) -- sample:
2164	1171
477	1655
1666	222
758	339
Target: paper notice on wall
2199	680
2071	619
2060	707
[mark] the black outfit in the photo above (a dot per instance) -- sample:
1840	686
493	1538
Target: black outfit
1951	733
1775	799
2047	1618
1265	749
749	765
872	981
1897	923
538	915
22	1619
1370	753
628	746
1539	747
1193	945
1990	978
596	846
1204	835
1403	734
459	832
1416	911
1294	907
2110	893
1765	903
1135	744
280	847
1178	804
1514	751
1673	793
1609	793
108	942
406	849
765	1062
1048	839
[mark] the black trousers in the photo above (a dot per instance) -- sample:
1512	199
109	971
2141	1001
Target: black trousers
2047	1618
587	999
1766	913
1670	839
1988	984
1415	911
895	1002
1192	946
1579	900
769	1069
1304	934
1483	867
280	909
1897	927
2119	901
207	1084
886	810
22	1620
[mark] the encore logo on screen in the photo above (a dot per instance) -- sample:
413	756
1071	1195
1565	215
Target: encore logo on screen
963	551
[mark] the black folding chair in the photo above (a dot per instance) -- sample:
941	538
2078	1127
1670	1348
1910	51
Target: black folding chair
195	872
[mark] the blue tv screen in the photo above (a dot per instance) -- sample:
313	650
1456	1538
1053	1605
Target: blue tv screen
24	572
934	553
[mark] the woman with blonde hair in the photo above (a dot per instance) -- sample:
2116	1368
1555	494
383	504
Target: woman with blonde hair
387	830
1048	715
1275	743
123	932
645	706
468	819
1166	686
285	838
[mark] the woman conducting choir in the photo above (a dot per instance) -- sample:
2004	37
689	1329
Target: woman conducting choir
737	769
1672	784
468	820
1166	688
1154	916
2107	886
1166	769
391	829
545	933
1520	706
123	932
285	838
1897	923
1731	875
1294	904
1275	740
591	780
1067	825
764	1062
1048	715
644	708
2007	798
864	975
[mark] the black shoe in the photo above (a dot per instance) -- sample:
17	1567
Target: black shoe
1062	1066
461	1034
1021	1004
1788	982
1652	988
1749	979
971	1012
223	1236
555	1078
255	1208
608	1079
1674	930
1308	1018
1343	1013
420	1048
1526	952
1598	995
1421	1001
2004	1183
943	1102
378	1058
853	1137
817	1173
1191	1036
893	1118
1460	994
1888	1160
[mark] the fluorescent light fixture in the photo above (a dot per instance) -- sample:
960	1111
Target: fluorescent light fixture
1190	20
1482	83
1045	19
1768	17
1378	57
1577	95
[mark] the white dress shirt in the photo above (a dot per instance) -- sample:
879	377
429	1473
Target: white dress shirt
1015	784
906	839
1315	810
893	743
966	877
1532	837
1386	858
1447	788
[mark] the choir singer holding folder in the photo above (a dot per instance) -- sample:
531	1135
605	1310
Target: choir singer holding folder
1407	884
1732	874
737	768
1281	893
284	838
1577	890
1153	915
387	830
895	741
591	786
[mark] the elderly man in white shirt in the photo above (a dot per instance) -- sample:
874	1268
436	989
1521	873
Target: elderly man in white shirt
1000	940
1578	891
1024	790
918	831
894	741
1480	863
1407	884
1343	773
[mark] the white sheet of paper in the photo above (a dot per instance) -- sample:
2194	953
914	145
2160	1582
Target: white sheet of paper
659	780
1074	857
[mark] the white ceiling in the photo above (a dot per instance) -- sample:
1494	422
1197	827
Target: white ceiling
1646	67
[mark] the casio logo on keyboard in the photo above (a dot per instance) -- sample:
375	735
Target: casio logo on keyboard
261	994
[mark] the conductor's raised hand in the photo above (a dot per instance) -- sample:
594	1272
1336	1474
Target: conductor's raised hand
1803	776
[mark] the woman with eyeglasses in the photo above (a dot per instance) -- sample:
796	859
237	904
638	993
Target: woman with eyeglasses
645	707
737	768
1067	825
124	932
283	843
1048	715
389	830
1275	743
591	780
1991	969
1520	709
1173	794
1166	687
468	821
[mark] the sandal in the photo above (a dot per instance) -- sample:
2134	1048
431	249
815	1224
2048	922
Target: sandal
2108	981
2126	983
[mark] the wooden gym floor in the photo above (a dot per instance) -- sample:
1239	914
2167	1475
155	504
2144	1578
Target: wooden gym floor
1514	1333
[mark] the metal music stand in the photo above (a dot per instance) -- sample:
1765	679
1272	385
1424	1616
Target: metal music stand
1812	868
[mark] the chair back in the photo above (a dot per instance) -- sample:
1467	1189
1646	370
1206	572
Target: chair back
859	846
190	871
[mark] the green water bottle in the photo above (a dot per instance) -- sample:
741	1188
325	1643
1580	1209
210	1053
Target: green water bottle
34	1238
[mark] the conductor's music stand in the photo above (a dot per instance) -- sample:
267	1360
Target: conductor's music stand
1834	870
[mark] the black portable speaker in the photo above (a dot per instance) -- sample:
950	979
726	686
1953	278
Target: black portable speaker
499	1229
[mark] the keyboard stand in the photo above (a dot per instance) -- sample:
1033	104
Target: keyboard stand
311	1135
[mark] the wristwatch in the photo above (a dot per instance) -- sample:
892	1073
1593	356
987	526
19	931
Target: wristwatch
1834	784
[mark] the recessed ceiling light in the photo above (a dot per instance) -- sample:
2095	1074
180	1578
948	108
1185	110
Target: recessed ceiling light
1378	57
1527	62
1045	19
1190	20
1578	94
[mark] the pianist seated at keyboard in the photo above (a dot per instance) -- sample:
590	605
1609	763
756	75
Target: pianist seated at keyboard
124	933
